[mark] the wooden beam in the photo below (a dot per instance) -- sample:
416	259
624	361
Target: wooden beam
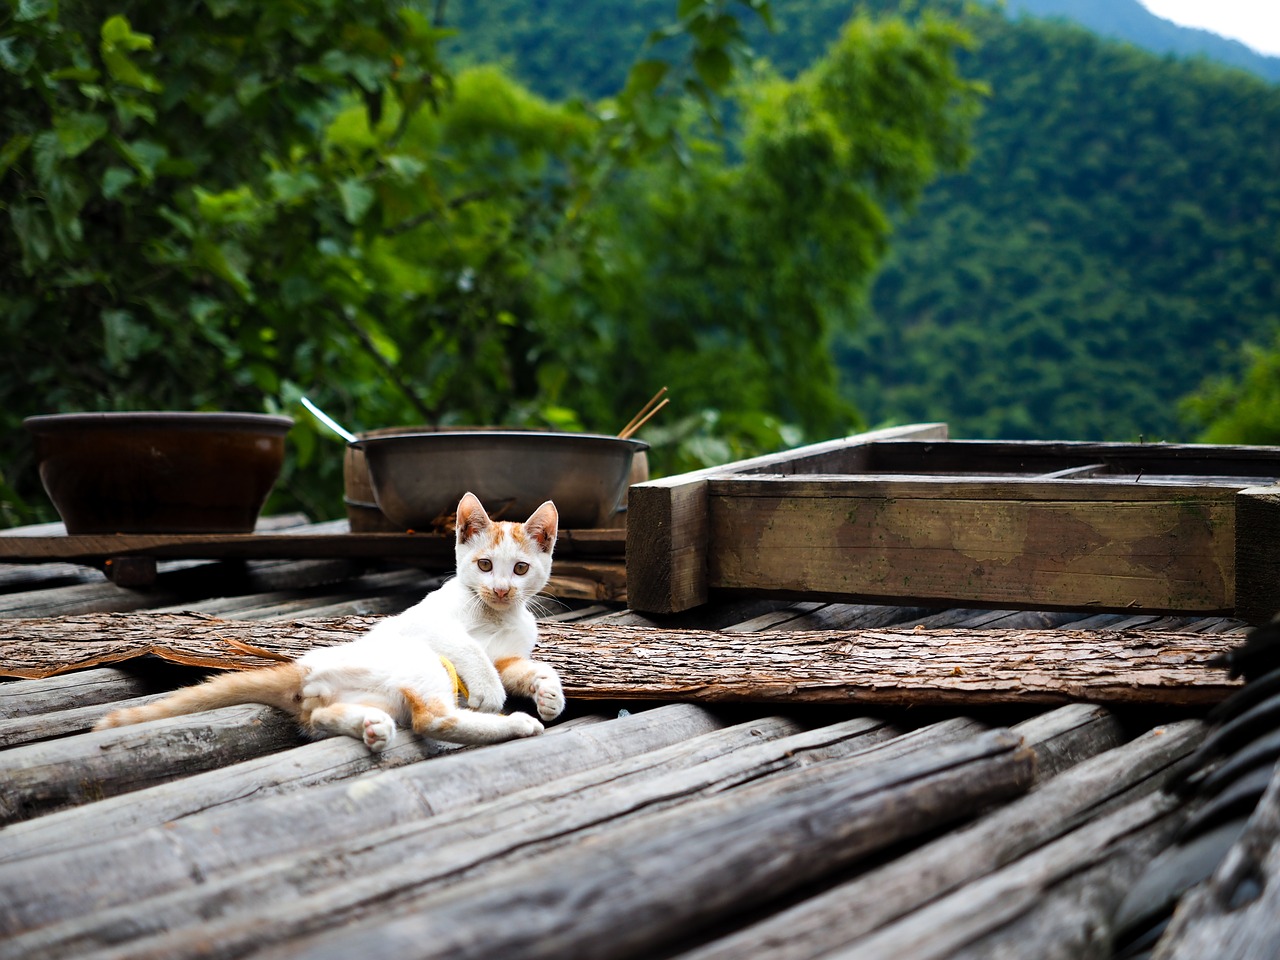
667	518
427	547
1039	457
1258	554
977	541
610	661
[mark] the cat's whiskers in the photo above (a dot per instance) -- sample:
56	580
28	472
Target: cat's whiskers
544	604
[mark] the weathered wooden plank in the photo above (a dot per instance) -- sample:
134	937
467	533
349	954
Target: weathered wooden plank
43	889
1033	457
856	908
617	895
1258	554
309	765
604	660
1077	544
983	906
68	691
17	731
1235	914
427	547
46	776
1068	735
324	886
667	518
1072	920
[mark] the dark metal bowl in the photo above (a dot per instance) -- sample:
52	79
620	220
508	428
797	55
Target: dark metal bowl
159	472
418	478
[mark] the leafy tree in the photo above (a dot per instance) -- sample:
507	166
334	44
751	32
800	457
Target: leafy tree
1243	408
227	204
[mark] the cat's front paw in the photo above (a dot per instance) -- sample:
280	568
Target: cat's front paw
486	696
379	729
548	696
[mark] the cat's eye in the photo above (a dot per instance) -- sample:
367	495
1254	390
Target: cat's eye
485	565
521	568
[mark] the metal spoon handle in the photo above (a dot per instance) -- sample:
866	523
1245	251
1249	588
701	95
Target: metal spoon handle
329	422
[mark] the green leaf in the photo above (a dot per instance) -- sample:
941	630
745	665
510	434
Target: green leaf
31	228
12	151
29	10
77	132
229	206
16	55
118	40
143	155
117	32
357	198
287	186
123	338
714	68
646	75
116	180
406	169
227	261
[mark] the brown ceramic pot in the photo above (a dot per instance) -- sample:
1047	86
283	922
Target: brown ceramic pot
159	472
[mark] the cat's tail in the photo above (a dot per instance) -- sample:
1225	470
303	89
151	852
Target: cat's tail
279	686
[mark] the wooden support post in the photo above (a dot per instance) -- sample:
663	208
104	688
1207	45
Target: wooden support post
667	523
1258	554
130	571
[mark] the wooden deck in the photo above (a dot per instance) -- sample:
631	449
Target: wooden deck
689	805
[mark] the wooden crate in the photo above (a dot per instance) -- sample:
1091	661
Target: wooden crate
908	516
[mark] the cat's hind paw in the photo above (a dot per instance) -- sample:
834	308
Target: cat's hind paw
379	729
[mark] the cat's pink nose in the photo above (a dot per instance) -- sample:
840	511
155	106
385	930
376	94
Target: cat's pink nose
501	592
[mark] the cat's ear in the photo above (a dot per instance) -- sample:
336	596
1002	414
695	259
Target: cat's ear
471	517
541	527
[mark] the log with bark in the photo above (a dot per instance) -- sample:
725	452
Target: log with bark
608	661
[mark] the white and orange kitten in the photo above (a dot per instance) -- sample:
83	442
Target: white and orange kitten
478	623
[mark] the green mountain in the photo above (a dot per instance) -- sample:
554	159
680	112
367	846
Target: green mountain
1111	246
1131	21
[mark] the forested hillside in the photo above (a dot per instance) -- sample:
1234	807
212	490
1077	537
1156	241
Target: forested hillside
1111	245
1129	20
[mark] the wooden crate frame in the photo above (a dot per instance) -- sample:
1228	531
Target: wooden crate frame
906	515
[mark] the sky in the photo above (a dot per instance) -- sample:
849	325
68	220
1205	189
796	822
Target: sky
1255	23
